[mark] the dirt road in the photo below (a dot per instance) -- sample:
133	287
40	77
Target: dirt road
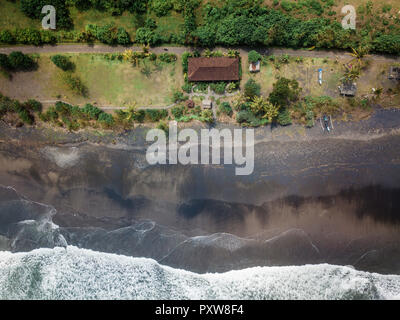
100	48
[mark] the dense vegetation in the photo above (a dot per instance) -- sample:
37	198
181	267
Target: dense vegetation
19	113
16	61
301	24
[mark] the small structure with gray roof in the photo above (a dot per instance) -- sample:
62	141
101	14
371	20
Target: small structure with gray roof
348	89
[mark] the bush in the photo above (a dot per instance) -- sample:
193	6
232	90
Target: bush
167	57
6	37
284	118
106	119
146	36
218	88
107	34
284	91
225	108
251	89
161	7
187	87
62	62
123	37
28	36
91	111
156	115
4	62
178	96
139	115
33	105
254	56
207	116
25	116
19	61
244	116
177	112
75	84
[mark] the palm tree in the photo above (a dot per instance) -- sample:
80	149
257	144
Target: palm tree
131	110
359	53
351	74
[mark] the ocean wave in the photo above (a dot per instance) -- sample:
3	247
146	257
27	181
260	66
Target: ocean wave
72	273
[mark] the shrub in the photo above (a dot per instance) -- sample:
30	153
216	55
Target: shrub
225	108
145	36
25	116
232	86
47	36
139	115
123	37
178	96
75	84
284	91
161	7
106	119
187	87
4	62
177	111
254	56
19	61
218	88
107	34
91	111
62	62
244	116
6	37
251	89
155	115
28	36
284	118
33	105
167	57
207	116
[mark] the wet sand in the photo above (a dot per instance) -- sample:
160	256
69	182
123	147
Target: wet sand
312	198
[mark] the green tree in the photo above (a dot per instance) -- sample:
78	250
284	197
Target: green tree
284	91
251	89
254	56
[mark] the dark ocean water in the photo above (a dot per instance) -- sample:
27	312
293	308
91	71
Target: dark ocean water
327	208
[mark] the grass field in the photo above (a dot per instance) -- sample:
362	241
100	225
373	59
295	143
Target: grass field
109	83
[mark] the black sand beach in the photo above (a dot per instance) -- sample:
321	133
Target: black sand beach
313	198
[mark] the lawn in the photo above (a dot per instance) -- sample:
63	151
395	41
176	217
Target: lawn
109	83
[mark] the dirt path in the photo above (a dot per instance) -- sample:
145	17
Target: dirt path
100	48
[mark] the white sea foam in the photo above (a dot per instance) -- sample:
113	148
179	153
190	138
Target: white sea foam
74	273
63	157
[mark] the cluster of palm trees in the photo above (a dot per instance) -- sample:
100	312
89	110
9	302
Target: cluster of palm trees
353	68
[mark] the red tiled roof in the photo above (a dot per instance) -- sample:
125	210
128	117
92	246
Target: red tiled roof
213	69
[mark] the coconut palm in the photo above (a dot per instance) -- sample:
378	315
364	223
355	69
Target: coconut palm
359	54
131	110
351	74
